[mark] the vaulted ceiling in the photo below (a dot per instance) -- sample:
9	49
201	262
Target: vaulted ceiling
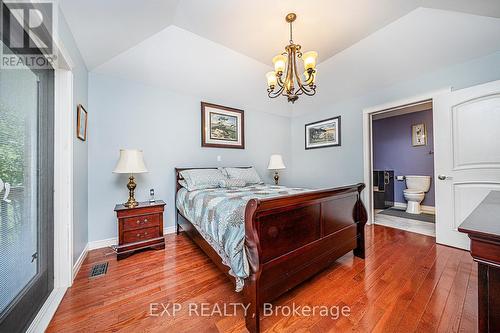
256	28
221	49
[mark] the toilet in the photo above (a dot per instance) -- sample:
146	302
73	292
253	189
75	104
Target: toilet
416	187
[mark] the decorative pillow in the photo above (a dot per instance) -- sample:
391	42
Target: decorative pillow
232	183
249	175
199	179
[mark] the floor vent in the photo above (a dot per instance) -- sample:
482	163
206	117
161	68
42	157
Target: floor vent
99	269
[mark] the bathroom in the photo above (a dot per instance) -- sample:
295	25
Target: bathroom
403	169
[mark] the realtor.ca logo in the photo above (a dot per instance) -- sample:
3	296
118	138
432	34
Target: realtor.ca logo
27	28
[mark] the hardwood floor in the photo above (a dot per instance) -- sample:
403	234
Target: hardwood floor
407	283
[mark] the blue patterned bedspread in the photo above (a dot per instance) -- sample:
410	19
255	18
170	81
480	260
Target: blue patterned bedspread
219	214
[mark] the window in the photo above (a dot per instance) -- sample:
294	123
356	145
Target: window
26	194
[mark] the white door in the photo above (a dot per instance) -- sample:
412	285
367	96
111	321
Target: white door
467	156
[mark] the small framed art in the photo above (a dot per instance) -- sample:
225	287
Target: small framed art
418	135
81	123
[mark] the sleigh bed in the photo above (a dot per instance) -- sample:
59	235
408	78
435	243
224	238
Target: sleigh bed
287	239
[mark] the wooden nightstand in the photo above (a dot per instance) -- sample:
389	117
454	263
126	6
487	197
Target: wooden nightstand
139	228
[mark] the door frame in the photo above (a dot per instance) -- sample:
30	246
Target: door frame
63	188
368	140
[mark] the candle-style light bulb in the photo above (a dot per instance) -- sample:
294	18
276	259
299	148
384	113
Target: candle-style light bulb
271	79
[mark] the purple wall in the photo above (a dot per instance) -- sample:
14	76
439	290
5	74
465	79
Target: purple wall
392	150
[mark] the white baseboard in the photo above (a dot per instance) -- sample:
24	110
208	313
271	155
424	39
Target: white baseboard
400	205
99	244
169	230
43	317
79	261
425	209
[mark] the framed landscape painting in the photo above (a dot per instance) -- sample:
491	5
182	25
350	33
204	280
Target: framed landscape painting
323	133
222	126
81	123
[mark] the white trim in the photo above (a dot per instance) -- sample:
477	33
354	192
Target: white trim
390	106
64	60
169	230
63	179
400	205
367	167
368	144
79	261
43	317
63	190
425	209
99	244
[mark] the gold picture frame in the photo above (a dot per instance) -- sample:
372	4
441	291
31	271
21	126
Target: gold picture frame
418	135
81	123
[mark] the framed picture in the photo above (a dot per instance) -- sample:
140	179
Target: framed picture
323	133
418	135
81	123
222	127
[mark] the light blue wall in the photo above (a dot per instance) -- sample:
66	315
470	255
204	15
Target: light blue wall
344	165
166	126
80	148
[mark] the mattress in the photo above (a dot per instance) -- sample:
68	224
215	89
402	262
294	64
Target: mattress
219	214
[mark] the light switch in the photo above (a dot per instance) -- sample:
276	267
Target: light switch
219	158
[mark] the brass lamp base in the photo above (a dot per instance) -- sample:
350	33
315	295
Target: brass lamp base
276	177
131	202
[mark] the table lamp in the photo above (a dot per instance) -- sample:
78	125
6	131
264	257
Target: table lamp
131	161
276	163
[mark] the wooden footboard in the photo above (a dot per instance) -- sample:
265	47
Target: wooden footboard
291	238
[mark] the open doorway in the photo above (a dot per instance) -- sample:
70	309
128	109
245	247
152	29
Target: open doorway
466	162
401	167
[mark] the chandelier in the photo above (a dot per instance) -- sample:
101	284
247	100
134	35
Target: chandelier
281	82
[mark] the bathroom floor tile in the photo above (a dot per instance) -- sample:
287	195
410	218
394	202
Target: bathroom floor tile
419	227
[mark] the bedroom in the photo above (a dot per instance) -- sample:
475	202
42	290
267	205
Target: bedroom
169	79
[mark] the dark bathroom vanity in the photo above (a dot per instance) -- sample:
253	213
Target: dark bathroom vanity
383	189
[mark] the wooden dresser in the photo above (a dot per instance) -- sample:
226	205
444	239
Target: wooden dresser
483	228
139	228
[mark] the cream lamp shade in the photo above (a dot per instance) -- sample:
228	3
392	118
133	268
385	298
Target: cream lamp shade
310	60
279	63
271	79
276	162
131	161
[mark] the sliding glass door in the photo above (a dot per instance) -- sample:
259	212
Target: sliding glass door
26	187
